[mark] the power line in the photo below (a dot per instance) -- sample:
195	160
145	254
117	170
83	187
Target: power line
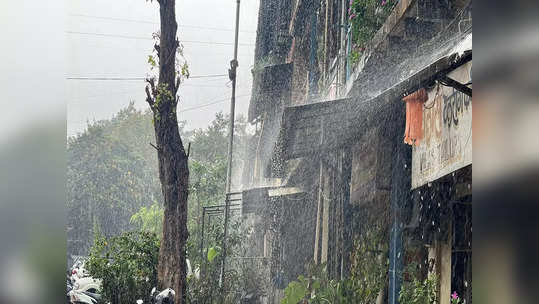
154	22
148	38
208	76
209	104
114	19
131	91
106	78
184	110
136	78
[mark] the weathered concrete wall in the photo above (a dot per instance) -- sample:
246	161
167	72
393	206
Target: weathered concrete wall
371	168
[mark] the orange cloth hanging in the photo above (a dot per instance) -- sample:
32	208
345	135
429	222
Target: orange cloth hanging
414	116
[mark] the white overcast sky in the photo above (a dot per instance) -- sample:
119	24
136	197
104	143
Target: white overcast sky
91	51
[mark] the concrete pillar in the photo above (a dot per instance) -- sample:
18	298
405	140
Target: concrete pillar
440	252
325	220
319	214
445	271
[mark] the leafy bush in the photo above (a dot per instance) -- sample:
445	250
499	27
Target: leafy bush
149	219
127	265
296	291
207	288
418	291
317	288
369	266
366	17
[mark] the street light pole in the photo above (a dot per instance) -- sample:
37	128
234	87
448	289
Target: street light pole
232	76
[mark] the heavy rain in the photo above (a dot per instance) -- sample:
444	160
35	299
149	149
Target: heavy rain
276	152
347	178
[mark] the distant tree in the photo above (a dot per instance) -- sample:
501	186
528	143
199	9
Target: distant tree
107	179
149	219
112	176
208	164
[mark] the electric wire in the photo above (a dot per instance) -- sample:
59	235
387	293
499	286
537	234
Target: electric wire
186	109
155	22
135	78
149	38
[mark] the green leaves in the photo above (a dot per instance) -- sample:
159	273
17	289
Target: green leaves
318	289
111	173
126	264
366	17
185	70
419	292
149	219
152	62
295	291
213	252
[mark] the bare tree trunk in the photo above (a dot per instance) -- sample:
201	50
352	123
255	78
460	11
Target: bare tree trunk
173	168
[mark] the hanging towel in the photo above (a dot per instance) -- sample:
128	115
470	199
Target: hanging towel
414	116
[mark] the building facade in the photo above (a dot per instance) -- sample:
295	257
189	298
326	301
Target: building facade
362	154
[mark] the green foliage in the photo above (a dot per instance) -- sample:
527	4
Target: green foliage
419	291
366	17
295	291
113	187
163	95
207	165
369	266
184	70
111	173
354	56
127	266
455	299
317	288
212	253
149	219
369	262
206	289
152	62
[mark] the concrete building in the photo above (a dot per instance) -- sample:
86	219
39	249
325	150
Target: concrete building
329	169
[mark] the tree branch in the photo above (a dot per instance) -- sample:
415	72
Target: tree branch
156	148
149	98
177	86
151	81
150	95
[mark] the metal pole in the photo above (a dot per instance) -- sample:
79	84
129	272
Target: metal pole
202	236
232	75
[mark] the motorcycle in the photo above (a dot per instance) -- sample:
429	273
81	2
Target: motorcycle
77	296
164	297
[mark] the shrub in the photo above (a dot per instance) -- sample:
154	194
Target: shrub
419	291
149	219
127	265
317	288
366	17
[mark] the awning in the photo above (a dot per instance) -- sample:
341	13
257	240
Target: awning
314	128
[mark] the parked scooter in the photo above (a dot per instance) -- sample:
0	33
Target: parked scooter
164	297
82	288
77	296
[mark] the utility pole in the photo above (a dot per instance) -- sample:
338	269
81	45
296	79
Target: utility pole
232	76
